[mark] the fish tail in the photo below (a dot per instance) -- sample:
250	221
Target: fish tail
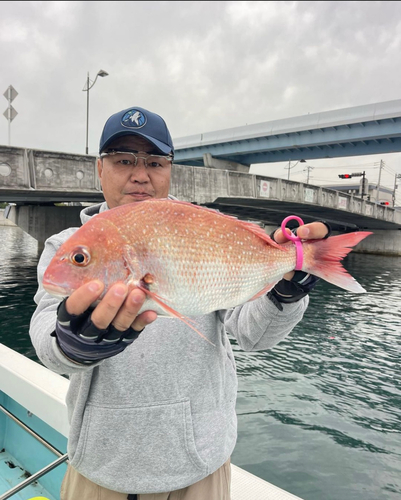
323	259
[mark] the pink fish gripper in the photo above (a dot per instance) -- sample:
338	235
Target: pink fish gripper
295	239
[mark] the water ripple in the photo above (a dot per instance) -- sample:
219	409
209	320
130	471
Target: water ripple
333	385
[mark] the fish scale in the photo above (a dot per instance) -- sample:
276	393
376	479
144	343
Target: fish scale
222	268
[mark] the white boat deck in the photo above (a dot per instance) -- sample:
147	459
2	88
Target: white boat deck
43	392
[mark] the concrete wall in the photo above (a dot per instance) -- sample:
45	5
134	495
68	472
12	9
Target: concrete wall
204	185
47	170
4	221
44	221
381	243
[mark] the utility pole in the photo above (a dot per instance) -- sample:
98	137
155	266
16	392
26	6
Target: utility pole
378	183
364	187
397	176
308	169
290	167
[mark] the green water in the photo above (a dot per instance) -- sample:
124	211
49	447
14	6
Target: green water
320	414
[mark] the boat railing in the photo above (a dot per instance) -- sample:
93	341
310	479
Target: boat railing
42	393
34	477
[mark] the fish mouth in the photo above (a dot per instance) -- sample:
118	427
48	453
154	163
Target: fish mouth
55	290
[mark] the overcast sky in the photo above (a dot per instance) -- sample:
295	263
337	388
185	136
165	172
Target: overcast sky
203	66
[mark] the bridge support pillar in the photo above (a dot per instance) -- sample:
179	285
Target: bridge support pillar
383	242
210	161
40	222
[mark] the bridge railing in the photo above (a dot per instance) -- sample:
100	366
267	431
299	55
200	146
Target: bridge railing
22	168
284	190
204	185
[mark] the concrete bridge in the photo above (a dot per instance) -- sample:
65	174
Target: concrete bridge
360	130
35	180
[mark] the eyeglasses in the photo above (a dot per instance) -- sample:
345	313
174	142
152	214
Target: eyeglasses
151	161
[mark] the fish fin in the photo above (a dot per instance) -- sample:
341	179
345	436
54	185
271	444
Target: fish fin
172	312
323	259
131	263
250	226
258	231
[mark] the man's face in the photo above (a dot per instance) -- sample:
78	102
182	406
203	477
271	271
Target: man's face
123	182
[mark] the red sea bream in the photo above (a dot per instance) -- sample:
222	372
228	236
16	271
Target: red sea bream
189	260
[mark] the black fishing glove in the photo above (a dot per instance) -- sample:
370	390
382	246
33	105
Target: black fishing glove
81	341
287	292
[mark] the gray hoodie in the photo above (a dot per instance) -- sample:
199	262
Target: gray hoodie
160	416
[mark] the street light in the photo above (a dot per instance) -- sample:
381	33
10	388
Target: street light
290	167
86	89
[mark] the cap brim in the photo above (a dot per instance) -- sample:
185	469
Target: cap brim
164	148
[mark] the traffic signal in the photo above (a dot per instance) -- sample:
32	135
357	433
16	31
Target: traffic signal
384	203
345	176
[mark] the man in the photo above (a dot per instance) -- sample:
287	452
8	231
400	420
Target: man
154	420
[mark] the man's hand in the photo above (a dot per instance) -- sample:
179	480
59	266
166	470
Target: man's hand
87	335
312	231
117	307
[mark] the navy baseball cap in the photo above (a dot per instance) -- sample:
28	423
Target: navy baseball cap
137	121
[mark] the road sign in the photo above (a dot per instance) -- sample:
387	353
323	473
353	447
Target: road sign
10	93
265	189
10	113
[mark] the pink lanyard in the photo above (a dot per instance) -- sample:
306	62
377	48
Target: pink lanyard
295	239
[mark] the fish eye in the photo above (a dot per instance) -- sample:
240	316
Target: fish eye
80	257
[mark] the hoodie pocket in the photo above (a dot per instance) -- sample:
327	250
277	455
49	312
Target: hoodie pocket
136	446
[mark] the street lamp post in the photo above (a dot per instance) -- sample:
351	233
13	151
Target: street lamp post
86	89
290	167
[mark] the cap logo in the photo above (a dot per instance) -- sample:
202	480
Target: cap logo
134	119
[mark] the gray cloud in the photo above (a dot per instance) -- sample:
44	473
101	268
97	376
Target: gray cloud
202	65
